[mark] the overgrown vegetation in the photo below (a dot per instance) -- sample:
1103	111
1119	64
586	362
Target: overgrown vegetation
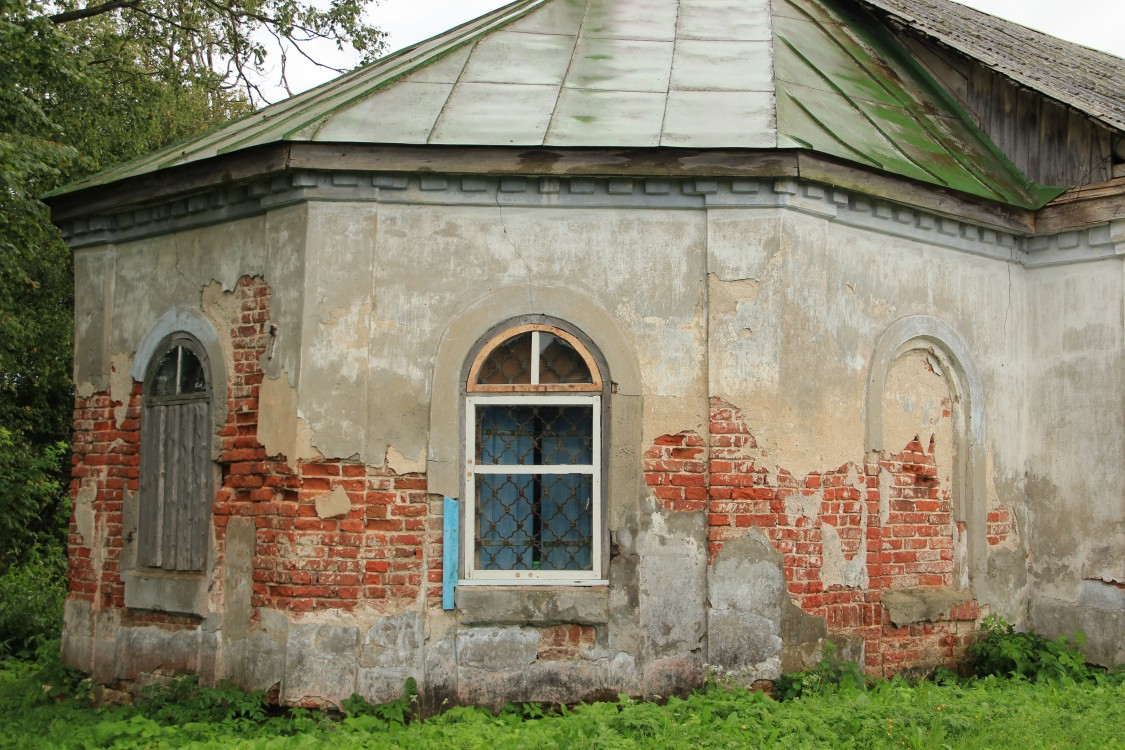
31	601
1052	705
1000	650
991	712
831	673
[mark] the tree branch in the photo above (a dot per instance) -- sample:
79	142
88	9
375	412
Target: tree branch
90	11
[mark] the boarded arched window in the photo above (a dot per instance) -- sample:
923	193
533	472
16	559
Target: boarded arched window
176	466
534	458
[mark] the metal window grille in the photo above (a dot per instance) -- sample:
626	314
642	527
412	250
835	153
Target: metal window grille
534	477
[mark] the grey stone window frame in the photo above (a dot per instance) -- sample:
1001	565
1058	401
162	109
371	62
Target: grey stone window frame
174	588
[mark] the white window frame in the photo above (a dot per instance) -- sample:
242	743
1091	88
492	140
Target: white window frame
472	576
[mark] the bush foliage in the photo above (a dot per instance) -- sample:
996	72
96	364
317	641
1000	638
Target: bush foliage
31	601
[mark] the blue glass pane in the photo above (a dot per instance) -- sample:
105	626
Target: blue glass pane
535	435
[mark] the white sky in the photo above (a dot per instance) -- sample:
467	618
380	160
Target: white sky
1094	23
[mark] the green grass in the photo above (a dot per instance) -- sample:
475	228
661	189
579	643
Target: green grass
992	712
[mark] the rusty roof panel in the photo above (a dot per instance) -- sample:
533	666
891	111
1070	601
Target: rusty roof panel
719	119
516	57
721	66
500	113
621	65
654	20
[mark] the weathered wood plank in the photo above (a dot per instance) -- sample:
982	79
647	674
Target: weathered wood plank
1027	134
148	515
171	480
201	497
1007	114
1101	154
1079	137
1053	161
980	97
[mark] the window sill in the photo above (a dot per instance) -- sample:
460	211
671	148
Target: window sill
548	603
159	591
534	582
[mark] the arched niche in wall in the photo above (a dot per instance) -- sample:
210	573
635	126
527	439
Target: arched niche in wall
539	306
157	581
938	340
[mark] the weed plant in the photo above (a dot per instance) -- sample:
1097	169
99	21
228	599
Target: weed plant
1000	650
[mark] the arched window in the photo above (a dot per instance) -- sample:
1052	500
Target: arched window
534	457
176	466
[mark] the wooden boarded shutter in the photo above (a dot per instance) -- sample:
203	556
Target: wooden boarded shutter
175	484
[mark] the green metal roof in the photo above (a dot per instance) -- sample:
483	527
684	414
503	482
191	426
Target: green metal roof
753	74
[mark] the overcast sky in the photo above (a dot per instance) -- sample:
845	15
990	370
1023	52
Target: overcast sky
1094	23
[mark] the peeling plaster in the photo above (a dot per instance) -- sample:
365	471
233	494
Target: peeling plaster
806	505
84	513
836	568
400	464
914	401
1106	563
224	310
333	504
120	385
281	430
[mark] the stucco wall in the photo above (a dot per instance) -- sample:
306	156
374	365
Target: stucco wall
1074	512
749	515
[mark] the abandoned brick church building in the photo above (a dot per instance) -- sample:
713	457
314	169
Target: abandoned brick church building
595	346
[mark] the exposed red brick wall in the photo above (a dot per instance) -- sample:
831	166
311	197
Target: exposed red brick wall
916	542
379	554
914	547
999	525
558	642
106	457
676	468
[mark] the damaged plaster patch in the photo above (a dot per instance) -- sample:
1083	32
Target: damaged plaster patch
908	606
343	339
120	385
281	430
729	295
334	504
804	504
224	311
1106	563
400	464
84	513
837	570
916	401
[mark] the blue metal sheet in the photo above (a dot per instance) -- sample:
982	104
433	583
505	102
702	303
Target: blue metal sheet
451	547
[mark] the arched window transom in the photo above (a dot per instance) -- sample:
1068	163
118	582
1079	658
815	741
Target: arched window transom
534	458
561	363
